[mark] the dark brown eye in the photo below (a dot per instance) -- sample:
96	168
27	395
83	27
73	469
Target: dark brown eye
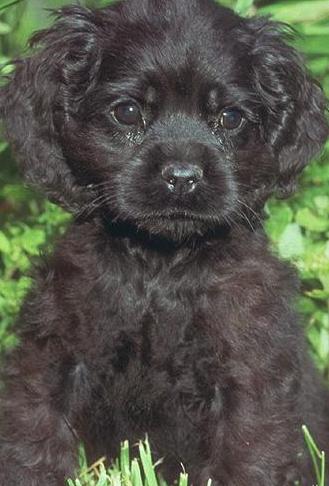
231	118
128	114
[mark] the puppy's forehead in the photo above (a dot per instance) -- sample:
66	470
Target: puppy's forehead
179	50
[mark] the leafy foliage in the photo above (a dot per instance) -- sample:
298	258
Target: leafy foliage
299	228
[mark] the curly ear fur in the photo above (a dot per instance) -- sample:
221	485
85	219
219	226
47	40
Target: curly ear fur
296	126
43	92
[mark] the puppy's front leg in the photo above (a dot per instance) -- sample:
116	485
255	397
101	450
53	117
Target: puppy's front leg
263	450
37	446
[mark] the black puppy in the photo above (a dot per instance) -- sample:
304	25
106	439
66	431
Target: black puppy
163	126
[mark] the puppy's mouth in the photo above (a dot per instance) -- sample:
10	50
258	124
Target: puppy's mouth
179	226
180	216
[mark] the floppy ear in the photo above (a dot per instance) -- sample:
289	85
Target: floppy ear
294	105
43	93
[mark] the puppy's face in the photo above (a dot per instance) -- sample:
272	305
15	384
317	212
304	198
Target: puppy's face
174	127
177	118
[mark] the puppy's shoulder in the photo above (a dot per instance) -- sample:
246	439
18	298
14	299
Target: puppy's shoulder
257	270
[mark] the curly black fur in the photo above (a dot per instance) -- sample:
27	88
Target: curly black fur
162	311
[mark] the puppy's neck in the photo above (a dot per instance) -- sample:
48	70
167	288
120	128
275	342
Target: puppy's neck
223	241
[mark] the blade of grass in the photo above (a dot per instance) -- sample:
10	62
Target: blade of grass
83	463
242	6
10	4
103	477
183	480
125	459
146	458
70	482
162	482
94	468
73	483
314	452
306	11
114	478
136	477
311	441
323	468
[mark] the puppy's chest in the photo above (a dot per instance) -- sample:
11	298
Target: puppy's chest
155	352
151	325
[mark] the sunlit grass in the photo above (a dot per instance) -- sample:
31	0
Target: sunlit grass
318	457
126	470
141	470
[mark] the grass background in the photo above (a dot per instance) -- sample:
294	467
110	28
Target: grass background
298	228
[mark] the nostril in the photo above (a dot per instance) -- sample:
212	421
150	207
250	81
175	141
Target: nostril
172	181
182	177
193	179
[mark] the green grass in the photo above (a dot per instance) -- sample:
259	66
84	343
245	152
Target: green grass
140	470
318	457
127	470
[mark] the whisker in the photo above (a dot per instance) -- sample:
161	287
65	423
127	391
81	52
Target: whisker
241	214
258	218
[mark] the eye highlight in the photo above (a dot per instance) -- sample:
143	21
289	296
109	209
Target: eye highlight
128	113
231	118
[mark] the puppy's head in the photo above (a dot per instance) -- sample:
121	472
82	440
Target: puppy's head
177	117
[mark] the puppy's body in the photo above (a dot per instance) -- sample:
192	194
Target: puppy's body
196	347
164	127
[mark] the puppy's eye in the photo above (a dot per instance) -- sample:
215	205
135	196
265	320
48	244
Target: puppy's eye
231	118
128	114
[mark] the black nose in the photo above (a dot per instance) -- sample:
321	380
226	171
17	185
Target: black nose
181	177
